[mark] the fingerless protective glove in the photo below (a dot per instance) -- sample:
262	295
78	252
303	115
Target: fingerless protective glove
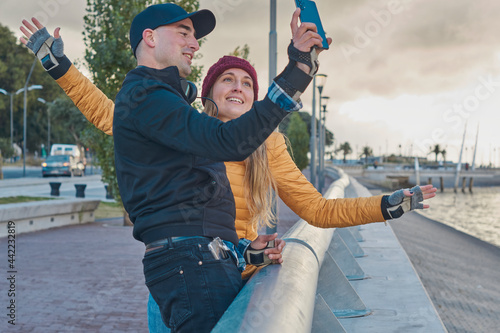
396	204
50	52
257	257
293	80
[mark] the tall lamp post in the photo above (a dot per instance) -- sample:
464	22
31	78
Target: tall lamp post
273	65
322	138
25	90
41	100
319	81
11	94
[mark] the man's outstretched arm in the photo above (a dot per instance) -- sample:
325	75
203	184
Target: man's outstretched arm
89	99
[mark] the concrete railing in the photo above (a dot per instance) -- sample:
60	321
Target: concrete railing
39	215
323	275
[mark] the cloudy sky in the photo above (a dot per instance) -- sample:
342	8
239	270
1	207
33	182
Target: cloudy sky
400	72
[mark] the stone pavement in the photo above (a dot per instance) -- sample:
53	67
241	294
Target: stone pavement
83	278
459	271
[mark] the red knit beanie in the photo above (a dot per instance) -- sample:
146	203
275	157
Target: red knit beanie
223	64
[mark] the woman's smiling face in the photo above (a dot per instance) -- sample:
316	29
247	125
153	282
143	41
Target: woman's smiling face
233	93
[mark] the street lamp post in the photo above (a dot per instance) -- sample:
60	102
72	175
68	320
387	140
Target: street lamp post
11	95
323	102
321	80
41	100
26	89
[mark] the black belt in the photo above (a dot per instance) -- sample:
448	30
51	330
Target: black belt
170	240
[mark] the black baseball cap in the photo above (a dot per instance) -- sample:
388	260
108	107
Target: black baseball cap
162	14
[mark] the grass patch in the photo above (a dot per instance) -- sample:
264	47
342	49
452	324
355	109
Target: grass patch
21	198
108	210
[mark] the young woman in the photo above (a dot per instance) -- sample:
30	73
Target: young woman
228	91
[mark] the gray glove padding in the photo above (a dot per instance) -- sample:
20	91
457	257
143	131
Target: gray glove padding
397	203
47	49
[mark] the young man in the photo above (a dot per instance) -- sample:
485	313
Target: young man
169	162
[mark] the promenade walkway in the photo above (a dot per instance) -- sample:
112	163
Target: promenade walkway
88	278
459	272
83	278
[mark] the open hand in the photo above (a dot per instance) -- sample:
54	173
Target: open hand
29	30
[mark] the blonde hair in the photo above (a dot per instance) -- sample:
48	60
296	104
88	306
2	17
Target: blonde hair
259	183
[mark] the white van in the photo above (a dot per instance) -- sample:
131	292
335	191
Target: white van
64	149
72	150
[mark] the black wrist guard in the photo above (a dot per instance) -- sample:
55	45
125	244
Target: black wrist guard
293	80
257	257
308	58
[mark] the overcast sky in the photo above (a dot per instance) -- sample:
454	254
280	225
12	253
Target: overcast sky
400	72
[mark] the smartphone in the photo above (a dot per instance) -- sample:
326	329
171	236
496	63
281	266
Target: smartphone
309	13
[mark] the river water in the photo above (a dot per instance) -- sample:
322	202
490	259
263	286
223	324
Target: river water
477	214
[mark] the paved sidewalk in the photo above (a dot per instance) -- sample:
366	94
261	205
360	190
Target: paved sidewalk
84	278
459	271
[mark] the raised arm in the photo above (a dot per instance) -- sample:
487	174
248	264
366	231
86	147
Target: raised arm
301	196
89	99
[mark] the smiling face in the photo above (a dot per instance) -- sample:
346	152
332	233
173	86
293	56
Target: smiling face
175	45
233	92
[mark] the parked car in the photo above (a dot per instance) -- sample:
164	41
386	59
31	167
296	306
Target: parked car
67	149
62	165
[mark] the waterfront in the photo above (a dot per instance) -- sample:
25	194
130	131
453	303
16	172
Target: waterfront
477	213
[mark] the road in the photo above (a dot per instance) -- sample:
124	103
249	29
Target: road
40	187
10	172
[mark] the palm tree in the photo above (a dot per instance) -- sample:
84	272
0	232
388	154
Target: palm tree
443	153
346	149
367	152
436	150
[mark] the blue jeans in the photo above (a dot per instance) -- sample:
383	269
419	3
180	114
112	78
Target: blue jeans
191	288
155	323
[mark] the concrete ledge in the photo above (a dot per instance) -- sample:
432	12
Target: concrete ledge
40	215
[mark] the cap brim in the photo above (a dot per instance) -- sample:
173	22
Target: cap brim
203	22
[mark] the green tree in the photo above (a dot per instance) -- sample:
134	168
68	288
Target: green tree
241	51
70	121
299	140
109	58
306	118
346	149
15	63
6	148
367	152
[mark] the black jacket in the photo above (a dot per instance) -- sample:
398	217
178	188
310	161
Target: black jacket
169	157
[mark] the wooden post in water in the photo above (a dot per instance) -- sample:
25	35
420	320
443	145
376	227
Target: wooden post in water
429	181
441	181
471	181
464	182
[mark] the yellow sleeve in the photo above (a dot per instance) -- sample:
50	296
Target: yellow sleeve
91	101
301	196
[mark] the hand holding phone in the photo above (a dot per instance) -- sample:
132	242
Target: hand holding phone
309	13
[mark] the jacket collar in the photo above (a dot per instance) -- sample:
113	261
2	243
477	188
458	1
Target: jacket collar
169	75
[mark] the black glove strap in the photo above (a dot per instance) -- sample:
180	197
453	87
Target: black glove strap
308	58
257	257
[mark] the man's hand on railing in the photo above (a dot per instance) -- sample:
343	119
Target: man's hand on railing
402	201
265	249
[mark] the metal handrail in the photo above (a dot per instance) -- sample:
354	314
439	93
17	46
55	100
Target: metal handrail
282	297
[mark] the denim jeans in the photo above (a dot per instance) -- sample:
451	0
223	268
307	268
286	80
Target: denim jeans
191	288
155	323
